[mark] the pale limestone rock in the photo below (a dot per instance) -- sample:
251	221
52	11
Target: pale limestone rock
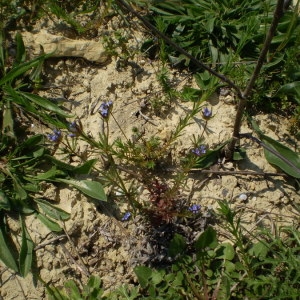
61	46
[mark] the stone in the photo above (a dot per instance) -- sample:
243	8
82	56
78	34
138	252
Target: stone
61	46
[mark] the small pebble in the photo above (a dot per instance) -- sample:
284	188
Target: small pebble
243	197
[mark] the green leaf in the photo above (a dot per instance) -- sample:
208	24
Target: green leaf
55	293
94	282
73	290
59	163
143	274
5	253
209	158
90	188
210	24
4	201
26	251
259	250
53	226
229	266
228	251
85	168
191	94
2	59
20	55
157	277
30	187
278	154
52	173
289	161
207	240
292	89
92	290
45	103
20	192
32	141
8	121
21	69
240	154
177	245
52	211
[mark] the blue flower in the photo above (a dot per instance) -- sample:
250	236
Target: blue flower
195	208
200	150
55	137
104	108
74	128
126	216
206	112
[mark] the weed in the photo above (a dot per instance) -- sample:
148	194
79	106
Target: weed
262	265
26	161
217	271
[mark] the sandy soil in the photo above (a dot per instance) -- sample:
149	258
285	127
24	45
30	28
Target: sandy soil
97	241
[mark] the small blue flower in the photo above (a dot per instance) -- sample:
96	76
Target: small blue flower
126	216
104	108
200	150
206	112
74	128
195	208
55	137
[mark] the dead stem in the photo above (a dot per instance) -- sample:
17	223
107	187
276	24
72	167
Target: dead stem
51	241
238	173
278	13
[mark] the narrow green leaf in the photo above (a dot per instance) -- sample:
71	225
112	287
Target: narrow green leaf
289	161
55	293
278	154
20	192
5	253
90	188
52	211
52	173
26	251
85	168
45	103
8	120
11	95
2	60
73	290
53	226
209	158
59	163
20	55
210	24
32	141
21	69
292	88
